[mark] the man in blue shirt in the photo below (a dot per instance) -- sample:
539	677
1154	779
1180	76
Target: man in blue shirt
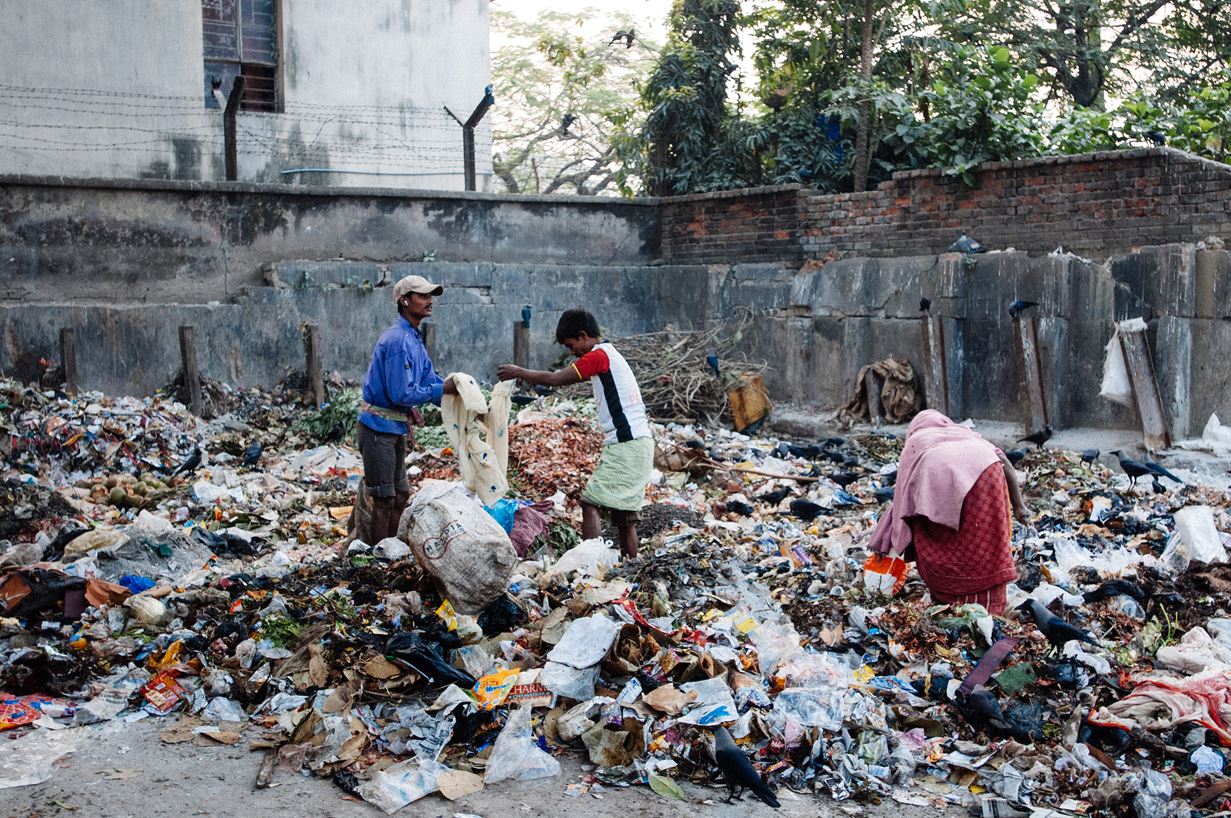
400	378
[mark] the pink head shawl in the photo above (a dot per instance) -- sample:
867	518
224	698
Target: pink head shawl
940	462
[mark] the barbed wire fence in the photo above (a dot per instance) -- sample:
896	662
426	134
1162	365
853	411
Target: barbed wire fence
378	139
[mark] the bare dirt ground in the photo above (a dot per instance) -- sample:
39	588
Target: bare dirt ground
125	770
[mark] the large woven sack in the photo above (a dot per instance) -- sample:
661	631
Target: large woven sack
459	543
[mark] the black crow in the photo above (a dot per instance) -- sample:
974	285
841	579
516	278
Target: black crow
738	771
1131	467
189	465
1018	306
1057	631
1040	437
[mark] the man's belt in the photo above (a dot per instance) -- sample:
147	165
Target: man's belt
382	412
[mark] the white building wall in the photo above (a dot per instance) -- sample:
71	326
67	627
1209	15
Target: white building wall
114	88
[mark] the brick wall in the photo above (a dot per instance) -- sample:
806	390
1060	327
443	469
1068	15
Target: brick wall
1095	204
734	225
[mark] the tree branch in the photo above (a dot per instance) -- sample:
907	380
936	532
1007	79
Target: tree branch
1133	23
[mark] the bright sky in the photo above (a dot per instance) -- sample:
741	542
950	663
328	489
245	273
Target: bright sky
529	9
650	14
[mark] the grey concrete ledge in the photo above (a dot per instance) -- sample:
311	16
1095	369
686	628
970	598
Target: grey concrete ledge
738	193
1070	159
265	189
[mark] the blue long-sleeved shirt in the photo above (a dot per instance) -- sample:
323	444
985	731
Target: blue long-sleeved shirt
401	376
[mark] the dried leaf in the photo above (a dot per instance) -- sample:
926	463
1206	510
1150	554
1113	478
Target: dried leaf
318	668
378	667
666	787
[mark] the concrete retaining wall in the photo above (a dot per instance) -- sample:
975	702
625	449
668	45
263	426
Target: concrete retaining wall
817	325
254	339
183	242
127	263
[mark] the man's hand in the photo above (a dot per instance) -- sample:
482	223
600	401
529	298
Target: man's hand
508	372
449	388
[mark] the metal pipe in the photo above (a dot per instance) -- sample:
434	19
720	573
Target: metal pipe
228	127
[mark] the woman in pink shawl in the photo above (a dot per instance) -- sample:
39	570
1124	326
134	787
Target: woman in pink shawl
950	513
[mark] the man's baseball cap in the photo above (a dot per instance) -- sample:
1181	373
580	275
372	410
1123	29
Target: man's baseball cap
415	284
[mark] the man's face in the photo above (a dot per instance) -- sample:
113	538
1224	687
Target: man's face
416	306
580	345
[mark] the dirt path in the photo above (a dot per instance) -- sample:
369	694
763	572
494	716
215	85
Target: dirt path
124	770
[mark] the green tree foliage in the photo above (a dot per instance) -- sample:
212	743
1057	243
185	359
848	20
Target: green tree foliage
690	141
849	93
567	91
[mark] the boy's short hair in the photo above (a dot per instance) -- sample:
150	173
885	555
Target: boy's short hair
574	322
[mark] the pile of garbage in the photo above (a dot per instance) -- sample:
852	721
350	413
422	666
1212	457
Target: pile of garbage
225	597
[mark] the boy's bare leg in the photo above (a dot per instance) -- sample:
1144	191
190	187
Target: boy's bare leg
628	541
591	524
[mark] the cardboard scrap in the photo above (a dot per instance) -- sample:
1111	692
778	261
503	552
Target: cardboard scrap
669	699
456	784
180	732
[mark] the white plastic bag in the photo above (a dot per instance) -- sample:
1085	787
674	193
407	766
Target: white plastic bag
1195	527
812	706
222	709
394	787
459	543
390	548
775	643
1116	386
586	641
569	682
516	756
589	558
146	609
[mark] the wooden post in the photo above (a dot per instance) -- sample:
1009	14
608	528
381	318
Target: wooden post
1146	398
872	393
428	333
521	345
1030	370
312	352
935	367
188	368
68	356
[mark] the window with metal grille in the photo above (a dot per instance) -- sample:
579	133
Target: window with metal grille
240	37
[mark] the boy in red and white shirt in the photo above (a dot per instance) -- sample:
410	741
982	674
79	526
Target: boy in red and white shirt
623	471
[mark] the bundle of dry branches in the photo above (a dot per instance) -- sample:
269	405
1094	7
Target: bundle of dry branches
676	382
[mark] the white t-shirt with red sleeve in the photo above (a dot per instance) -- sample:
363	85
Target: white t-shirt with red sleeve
621	412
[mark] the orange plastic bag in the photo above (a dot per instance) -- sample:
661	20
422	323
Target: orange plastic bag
884	574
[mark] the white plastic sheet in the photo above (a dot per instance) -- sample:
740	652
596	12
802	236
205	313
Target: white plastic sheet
31	758
516	756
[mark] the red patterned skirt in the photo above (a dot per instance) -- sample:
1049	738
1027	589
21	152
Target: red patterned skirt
974	563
